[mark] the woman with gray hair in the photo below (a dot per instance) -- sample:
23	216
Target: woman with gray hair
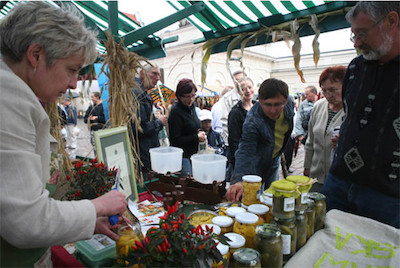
43	48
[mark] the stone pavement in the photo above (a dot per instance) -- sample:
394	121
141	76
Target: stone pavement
85	149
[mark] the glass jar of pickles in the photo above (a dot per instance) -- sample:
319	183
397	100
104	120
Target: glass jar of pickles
233	211
236	242
225	223
320	210
284	194
251	185
304	185
261	211
246	257
268	242
289	236
301	224
127	238
310	215
245	225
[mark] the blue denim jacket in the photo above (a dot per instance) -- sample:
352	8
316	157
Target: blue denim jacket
255	152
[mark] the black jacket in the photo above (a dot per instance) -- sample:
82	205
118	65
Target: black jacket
98	111
368	146
235	123
148	137
183	126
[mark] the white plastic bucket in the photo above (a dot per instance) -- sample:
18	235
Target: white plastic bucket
166	159
208	167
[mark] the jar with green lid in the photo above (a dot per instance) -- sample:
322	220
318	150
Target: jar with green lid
261	211
232	211
251	185
268	242
284	194
301	224
224	222
304	184
320	210
236	241
246	257
289	236
310	215
245	225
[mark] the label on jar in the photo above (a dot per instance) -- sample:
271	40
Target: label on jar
304	198
288	204
99	242
286	240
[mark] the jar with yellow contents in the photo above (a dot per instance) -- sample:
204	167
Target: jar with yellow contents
251	185
236	241
245	225
304	184
127	238
233	211
225	223
261	211
284	194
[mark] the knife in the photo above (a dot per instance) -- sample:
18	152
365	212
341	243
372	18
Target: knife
114	218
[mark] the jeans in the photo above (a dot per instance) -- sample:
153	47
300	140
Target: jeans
360	200
186	167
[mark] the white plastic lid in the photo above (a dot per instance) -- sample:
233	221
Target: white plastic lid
266	198
223	249
251	178
237	240
216	228
247	218
258	209
232	211
222	221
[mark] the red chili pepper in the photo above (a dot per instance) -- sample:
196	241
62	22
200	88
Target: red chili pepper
202	246
175	226
166	241
146	239
180	221
159	248
194	230
211	229
134	247
185	250
174	222
164	247
201	230
139	244
164	217
188	236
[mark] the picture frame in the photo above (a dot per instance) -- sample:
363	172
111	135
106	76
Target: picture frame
113	148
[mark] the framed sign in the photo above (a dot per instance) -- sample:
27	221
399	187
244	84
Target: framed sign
113	148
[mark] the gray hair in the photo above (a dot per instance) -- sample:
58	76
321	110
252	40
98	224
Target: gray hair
375	9
312	89
60	31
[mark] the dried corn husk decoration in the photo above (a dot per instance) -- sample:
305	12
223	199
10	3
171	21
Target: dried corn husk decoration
315	44
294	27
63	164
122	67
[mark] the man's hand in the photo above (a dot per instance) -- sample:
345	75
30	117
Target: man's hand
234	192
202	136
112	203
103	226
334	140
300	138
306	172
163	119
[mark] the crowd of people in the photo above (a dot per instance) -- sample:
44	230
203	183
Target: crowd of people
357	169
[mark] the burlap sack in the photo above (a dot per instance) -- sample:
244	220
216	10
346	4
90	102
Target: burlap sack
350	241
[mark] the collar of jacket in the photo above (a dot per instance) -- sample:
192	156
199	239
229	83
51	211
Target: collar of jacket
394	60
190	109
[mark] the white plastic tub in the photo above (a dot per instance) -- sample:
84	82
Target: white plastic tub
208	167
166	159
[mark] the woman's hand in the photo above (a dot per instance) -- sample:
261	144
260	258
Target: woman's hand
234	192
112	203
103	226
202	136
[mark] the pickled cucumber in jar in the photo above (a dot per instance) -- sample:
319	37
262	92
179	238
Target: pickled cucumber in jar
268	242
320	210
246	257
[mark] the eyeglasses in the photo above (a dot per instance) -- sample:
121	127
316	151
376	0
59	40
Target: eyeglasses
363	34
274	105
329	91
189	96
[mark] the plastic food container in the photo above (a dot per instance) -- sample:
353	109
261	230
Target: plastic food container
166	159
208	167
99	251
261	211
245	225
237	241
215	228
251	185
224	222
233	211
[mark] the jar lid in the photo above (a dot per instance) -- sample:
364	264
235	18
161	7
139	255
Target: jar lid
266	198
216	228
283	185
251	178
316	196
258	209
232	211
268	230
222	221
247	218
298	179
299	210
223	249
237	240
247	256
310	203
